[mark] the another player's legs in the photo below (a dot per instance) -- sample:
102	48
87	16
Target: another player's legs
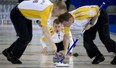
24	28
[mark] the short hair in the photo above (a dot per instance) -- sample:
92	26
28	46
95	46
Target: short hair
61	5
56	21
64	17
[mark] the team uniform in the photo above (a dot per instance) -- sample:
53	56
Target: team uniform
22	16
57	38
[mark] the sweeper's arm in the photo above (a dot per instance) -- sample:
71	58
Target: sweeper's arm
43	43
44	39
48	37
66	39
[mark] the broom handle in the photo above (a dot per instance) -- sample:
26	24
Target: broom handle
72	46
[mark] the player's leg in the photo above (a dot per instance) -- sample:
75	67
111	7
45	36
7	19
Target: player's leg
104	34
18	47
90	47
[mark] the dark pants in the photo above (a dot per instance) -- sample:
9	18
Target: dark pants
68	4
59	46
23	28
102	27
19	1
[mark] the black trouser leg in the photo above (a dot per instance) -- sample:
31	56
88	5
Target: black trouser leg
59	46
102	27
89	45
23	28
88	38
104	33
68	4
19	1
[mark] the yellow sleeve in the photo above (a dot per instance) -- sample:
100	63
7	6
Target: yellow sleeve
70	36
51	29
96	7
44	39
93	11
85	12
66	30
45	15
